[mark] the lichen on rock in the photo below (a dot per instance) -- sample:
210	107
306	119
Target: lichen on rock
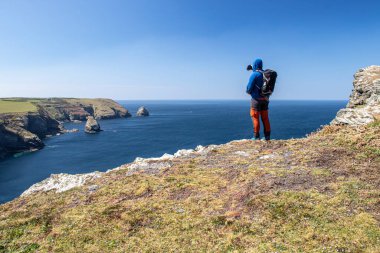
61	182
364	104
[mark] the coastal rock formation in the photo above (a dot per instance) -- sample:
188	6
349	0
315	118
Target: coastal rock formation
92	126
73	109
109	109
142	111
100	108
24	131
77	114
14	139
74	130
364	104
61	182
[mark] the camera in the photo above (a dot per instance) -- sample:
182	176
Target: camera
249	67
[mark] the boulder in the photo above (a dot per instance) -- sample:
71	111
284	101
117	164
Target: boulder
142	111
364	104
92	126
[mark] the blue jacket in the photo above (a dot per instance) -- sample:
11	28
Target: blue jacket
256	80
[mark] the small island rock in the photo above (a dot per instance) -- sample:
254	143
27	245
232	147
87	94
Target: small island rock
142	111
92	126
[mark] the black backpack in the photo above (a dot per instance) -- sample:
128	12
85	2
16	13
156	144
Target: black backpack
269	78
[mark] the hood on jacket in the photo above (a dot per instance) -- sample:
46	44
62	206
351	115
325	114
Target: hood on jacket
258	64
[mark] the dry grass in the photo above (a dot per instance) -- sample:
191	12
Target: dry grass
317	194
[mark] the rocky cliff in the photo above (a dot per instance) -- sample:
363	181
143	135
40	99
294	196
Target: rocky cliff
70	109
24	130
364	104
315	194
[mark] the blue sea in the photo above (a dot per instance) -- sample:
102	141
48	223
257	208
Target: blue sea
172	125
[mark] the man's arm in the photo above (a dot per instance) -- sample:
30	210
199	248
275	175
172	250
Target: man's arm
250	84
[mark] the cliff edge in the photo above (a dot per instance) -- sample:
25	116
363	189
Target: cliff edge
315	194
364	104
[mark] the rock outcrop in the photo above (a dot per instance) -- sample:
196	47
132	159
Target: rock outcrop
92	126
23	131
109	109
73	109
61	182
14	139
364	104
142	111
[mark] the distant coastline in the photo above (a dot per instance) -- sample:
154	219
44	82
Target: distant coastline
24	122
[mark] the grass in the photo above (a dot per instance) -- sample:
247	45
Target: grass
16	106
365	142
314	195
54	106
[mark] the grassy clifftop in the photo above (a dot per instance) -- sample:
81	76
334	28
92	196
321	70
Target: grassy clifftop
316	194
16	106
65	108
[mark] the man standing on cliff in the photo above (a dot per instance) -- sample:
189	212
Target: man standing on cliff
259	102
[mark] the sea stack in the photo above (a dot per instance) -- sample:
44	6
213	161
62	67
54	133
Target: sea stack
142	111
92	126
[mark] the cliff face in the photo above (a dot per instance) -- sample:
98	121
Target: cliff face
364	104
315	194
24	131
69	109
17	139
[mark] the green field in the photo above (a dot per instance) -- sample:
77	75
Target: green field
16	105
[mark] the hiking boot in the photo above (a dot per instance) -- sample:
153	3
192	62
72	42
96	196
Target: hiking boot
255	138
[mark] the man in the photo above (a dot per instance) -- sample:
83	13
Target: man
259	103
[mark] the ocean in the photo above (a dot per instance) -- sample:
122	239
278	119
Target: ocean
172	125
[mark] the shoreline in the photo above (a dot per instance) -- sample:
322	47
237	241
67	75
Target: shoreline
36	119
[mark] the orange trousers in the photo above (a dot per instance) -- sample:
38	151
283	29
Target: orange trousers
255	115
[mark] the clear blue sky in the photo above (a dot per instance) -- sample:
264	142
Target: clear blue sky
177	49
